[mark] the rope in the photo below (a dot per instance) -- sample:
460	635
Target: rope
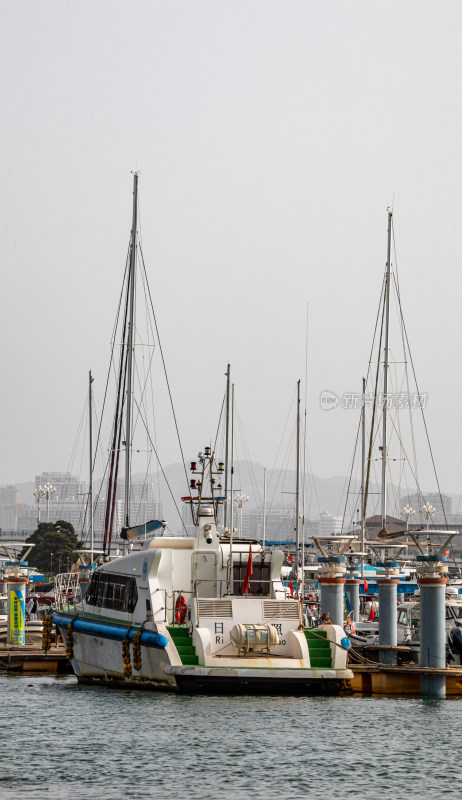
165	368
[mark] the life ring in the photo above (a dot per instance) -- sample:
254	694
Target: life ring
180	610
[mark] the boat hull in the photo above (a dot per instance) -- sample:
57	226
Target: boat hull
98	660
260	681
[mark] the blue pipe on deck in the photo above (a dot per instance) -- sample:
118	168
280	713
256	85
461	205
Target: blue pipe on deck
108	631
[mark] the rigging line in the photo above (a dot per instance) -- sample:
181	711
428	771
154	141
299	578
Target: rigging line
250	471
73	455
422	412
119	400
151	337
103	463
351	472
163	472
404	451
400	314
111	361
313	483
285	469
398	297
414	450
165	370
375	328
280	442
116	472
368	468
219	423
281	472
142	386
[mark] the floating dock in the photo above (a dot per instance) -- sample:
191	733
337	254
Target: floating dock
31	658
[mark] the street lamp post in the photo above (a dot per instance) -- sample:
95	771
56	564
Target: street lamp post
51	563
48	490
39	494
407	511
428	510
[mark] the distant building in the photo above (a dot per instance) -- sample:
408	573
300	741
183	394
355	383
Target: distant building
68	487
10	503
325	524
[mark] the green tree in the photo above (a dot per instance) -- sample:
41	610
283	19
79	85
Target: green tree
55	545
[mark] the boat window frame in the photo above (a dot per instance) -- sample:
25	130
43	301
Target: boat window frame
112	590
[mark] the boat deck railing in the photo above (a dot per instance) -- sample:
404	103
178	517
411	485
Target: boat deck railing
67	590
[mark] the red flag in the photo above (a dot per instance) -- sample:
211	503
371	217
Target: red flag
248	572
446	553
291	588
289	558
365	586
372	614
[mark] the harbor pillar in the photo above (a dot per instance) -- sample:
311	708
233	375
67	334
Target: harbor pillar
432	634
352	592
332	599
388	628
16	626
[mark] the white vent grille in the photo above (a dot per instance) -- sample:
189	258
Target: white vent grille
281	609
215	608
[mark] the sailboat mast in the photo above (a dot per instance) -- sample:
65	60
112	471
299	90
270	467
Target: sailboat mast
90	482
363	474
264	506
231	514
385	378
297	490
131	322
225	511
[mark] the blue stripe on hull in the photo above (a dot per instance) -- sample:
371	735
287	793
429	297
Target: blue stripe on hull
107	631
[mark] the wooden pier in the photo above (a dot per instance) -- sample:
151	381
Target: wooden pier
31	658
403	679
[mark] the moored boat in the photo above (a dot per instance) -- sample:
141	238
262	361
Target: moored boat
199	614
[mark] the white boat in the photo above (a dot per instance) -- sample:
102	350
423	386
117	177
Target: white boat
177	614
199	613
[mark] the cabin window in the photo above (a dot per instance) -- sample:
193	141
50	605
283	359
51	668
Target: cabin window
457	611
448	613
110	590
259	583
402	618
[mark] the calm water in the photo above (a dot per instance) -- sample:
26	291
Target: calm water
60	740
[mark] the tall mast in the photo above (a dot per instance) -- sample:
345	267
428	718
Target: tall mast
131	322
297	490
225	511
90	483
231	514
304	456
264	506
385	378
363	470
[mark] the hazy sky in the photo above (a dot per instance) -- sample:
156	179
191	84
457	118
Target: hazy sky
271	136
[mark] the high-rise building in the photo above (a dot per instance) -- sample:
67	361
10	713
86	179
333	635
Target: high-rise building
68	487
